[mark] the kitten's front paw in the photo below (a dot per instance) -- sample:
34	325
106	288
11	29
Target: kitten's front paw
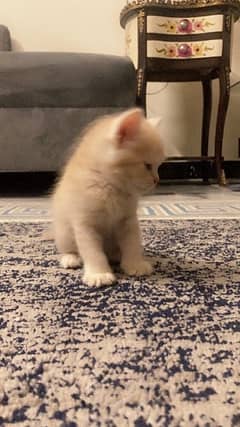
99	279
70	261
137	268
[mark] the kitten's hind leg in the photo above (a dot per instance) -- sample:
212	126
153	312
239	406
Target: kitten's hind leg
66	245
70	261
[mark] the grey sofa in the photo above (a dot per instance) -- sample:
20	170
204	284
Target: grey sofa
47	98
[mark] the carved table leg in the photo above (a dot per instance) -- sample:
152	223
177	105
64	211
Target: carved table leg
224	87
207	108
142	89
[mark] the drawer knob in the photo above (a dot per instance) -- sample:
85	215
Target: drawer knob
185	26
184	50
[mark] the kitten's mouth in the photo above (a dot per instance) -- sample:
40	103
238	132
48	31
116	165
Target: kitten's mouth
146	189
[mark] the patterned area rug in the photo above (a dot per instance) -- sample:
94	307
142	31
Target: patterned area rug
169	202
154	208
160	351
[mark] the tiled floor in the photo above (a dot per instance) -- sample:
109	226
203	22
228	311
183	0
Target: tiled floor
169	202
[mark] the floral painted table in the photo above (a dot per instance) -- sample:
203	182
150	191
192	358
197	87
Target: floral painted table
184	40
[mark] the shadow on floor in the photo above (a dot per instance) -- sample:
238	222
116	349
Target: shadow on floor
26	184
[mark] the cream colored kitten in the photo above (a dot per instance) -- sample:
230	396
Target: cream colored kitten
95	200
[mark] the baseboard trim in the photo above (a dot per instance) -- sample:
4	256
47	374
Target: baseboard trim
189	170
39	183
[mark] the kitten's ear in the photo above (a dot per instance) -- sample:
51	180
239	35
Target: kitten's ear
154	121
127	126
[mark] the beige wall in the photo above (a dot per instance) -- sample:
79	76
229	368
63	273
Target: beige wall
93	26
68	25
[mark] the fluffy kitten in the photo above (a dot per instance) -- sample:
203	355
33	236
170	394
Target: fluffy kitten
95	200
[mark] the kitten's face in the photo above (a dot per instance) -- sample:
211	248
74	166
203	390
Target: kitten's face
138	151
142	177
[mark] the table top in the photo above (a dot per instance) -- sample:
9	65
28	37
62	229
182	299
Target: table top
134	5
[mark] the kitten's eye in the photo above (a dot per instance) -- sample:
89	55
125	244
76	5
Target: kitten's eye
148	166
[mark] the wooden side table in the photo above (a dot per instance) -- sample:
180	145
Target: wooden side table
181	41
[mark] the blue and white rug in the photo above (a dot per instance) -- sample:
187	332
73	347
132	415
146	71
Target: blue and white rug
179	202
158	351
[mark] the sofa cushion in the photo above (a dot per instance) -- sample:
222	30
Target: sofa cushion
5	38
40	139
55	79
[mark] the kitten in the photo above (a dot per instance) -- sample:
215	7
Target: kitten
95	200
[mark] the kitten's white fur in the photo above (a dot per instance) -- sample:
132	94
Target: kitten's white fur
95	200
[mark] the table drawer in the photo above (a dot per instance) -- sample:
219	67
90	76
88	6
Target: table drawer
185	50
184	25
